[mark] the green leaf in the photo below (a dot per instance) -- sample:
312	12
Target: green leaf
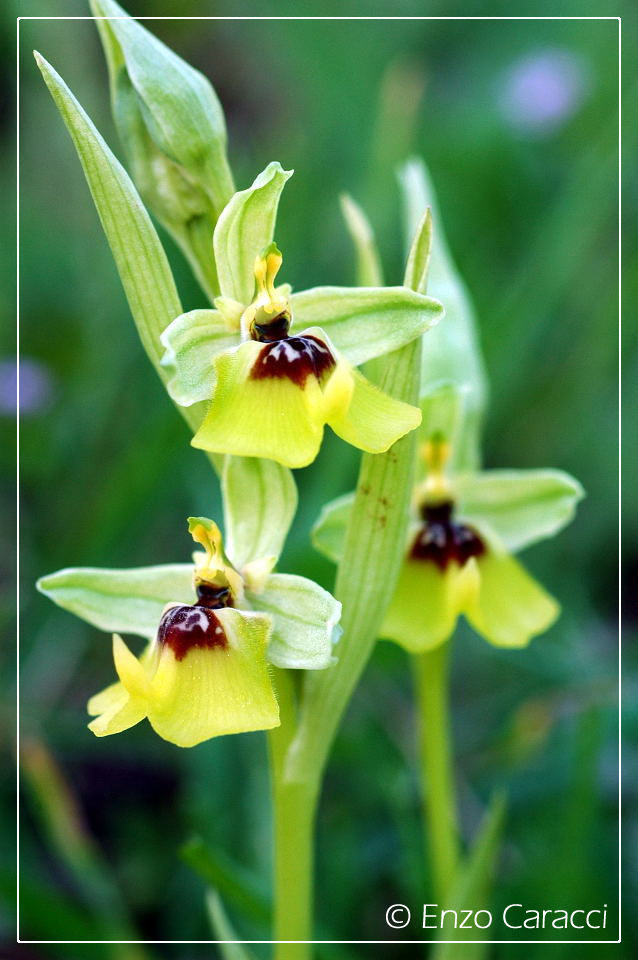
191	341
366	322
244	228
177	103
260	501
120	601
230	945
138	253
233	881
451	353
521	506
329	532
417	267
304	620
470	890
368	271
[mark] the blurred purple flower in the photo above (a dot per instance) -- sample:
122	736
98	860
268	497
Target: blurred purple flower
541	91
36	386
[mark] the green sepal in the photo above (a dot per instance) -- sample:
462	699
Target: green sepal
451	353
260	501
329	532
305	621
366	322
176	103
520	506
442	410
191	342
245	227
368	271
120	601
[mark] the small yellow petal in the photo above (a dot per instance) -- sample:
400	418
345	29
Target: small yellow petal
511	606
427	603
129	669
116	710
373	421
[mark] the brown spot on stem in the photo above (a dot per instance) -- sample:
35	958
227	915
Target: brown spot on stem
296	358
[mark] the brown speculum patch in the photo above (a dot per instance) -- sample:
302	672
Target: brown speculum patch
186	626
442	540
296	358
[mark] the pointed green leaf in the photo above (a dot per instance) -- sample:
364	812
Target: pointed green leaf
417	267
451	353
366	322
177	103
191	342
260	501
329	532
138	253
120	601
304	620
521	506
368	272
244	228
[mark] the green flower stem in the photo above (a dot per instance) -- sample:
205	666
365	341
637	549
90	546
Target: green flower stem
436	768
294	806
365	582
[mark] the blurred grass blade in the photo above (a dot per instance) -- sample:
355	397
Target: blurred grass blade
234	882
368	272
472	884
67	837
223	929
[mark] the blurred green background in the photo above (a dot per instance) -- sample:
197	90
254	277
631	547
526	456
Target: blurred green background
518	123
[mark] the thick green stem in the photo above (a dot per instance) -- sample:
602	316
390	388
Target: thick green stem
366	578
294	807
431	677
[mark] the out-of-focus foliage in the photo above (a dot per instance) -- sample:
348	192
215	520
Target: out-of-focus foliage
518	123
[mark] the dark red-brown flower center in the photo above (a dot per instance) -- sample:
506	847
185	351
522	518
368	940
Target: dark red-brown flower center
184	627
296	358
441	540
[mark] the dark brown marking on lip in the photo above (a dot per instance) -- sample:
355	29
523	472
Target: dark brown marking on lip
184	627
441	540
296	358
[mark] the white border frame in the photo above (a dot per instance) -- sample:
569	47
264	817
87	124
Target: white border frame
393	942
